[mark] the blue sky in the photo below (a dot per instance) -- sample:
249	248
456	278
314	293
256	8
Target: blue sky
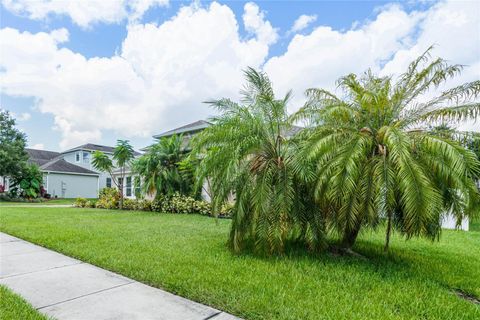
84	101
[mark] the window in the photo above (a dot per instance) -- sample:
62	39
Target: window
120	183
129	187
109	182
77	157
86	157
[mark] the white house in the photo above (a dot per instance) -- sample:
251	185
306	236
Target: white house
62	178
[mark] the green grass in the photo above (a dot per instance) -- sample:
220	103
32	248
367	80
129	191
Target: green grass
475	225
186	254
13	307
61	201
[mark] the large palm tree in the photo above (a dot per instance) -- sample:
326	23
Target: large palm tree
160	168
377	158
246	154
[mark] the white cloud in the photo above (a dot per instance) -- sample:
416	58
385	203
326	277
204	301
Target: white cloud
83	13
163	72
318	59
158	80
254	21
25	116
386	44
302	22
38	146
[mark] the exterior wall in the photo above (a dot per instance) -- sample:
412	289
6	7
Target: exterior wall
65	185
71	157
5	182
449	222
132	176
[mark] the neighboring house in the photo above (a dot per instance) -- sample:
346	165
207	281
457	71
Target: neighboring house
62	178
82	156
187	131
71	174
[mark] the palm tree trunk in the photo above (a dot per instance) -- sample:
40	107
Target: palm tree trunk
389	229
350	236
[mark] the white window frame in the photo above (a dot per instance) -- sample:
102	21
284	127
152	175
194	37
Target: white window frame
86	159
128	188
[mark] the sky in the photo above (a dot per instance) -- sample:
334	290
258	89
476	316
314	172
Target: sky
75	72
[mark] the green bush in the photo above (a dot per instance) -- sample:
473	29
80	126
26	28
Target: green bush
143	205
90	204
80	202
108	198
129	204
176	203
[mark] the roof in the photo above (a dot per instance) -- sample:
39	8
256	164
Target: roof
191	127
41	157
53	162
96	147
60	165
92	147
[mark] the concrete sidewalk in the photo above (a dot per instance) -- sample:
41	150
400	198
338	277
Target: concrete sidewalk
66	288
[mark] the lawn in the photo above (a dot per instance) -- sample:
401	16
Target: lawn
13	307
186	254
62	201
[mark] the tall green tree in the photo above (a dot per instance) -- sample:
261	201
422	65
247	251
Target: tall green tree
13	156
247	154
123	155
160	168
377	158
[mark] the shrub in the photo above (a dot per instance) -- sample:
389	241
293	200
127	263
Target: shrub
129	204
80	202
202	207
90	204
108	199
143	205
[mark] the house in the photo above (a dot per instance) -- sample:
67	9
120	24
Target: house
62	178
82	157
187	131
71	174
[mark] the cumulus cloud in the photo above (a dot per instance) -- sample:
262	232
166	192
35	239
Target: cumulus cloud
162	72
83	13
157	81
24	116
319	58
302	22
386	44
254	21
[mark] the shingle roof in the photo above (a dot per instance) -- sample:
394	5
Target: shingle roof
92	147
96	147
191	127
60	165
53	161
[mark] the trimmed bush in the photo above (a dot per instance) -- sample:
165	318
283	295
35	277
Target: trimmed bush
108	199
80	202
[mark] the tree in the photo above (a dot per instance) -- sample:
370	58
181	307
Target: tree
160	168
13	156
246	154
123	155
27	182
378	158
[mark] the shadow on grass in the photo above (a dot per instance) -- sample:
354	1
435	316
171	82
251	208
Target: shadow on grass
416	259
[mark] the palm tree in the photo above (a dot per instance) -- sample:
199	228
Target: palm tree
377	158
161	169
246	154
123	155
